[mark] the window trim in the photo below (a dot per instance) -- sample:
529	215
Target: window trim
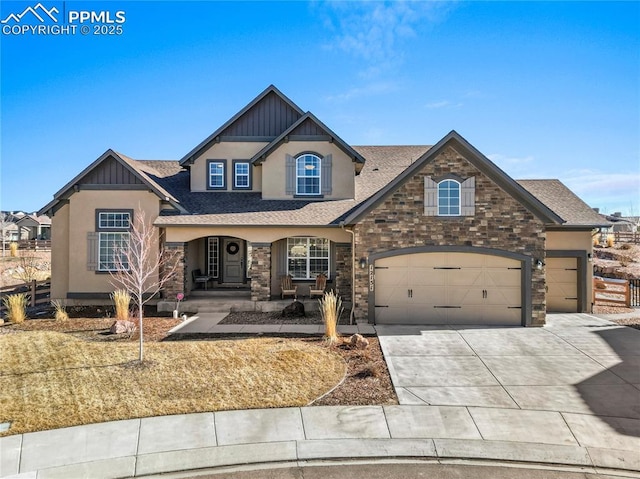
102	230
319	176
440	183
224	175
113	210
100	269
249	175
308	258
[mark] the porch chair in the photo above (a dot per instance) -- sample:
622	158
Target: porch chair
288	289
321	284
198	277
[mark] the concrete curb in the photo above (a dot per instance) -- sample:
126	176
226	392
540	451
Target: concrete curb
159	445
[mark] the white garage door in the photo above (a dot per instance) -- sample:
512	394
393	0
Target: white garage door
448	288
562	285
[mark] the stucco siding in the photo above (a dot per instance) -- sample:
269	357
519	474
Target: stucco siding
229	151
82	211
60	253
254	234
274	167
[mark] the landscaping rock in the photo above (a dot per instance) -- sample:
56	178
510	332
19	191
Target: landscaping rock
359	341
122	327
294	310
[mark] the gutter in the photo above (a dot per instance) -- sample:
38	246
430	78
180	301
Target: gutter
353	271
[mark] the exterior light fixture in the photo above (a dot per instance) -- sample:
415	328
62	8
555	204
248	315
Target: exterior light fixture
589	257
363	263
539	264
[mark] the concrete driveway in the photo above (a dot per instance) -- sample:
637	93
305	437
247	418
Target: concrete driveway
574	382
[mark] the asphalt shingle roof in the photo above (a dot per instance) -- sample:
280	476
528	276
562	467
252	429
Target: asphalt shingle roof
561	200
383	164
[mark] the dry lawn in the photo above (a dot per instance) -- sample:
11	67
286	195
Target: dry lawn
50	380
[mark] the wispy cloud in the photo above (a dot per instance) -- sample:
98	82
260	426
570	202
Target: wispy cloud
376	32
370	89
608	191
503	160
443	104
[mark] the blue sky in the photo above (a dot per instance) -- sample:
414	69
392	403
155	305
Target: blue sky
544	89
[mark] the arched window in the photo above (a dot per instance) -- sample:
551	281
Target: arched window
449	198
308	174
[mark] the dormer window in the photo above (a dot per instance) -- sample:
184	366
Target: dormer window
308	175
217	170
449	198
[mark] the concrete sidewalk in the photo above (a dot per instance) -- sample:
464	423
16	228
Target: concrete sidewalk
567	394
209	323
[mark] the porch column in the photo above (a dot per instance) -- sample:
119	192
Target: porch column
260	271
178	284
343	270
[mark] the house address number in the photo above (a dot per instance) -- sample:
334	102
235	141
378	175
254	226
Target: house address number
371	277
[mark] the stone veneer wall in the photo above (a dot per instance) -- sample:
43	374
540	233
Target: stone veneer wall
343	270
500	222
179	282
260	271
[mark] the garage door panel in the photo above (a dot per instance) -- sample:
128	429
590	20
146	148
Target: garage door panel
562	285
502	276
425	276
448	288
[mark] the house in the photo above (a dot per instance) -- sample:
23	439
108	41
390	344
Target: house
410	234
622	224
34	227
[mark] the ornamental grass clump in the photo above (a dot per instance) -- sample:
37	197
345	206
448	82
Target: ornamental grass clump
13	249
330	309
61	310
610	241
121	298
16	305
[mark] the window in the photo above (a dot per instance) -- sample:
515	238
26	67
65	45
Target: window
307	257
212	254
114	220
308	175
217	174
112	238
110	246
449	198
241	175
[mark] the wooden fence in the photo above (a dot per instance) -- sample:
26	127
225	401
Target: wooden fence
622	237
611	291
37	245
38	292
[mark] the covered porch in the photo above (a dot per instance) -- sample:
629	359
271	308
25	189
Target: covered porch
242	268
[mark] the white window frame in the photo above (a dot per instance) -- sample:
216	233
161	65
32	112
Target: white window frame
213	253
303	158
114	220
107	245
217	175
448	207
306	242
237	175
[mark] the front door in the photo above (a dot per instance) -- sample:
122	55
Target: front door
233	260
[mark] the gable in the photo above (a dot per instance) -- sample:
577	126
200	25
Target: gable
110	172
266	119
479	162
263	119
308	128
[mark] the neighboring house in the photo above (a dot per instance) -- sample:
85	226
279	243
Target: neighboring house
413	234
18	226
622	224
34	227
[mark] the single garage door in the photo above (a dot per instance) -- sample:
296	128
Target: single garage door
448	288
562	285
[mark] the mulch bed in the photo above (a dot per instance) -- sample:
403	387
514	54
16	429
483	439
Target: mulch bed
272	318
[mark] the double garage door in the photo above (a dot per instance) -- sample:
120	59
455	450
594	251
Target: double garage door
448	288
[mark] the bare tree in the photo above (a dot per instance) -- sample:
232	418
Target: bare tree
140	267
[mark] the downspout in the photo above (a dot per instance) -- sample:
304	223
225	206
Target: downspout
353	271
